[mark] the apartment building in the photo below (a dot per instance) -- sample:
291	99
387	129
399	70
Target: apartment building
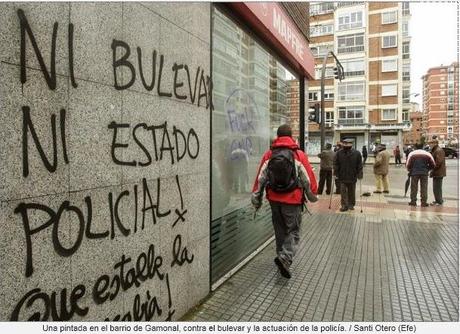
440	103
372	42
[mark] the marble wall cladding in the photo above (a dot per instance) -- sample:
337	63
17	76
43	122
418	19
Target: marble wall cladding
105	161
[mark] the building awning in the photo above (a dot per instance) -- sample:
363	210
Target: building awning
271	23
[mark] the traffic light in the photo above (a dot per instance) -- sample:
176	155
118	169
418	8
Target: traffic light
338	73
314	114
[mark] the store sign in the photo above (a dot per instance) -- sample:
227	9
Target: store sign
281	26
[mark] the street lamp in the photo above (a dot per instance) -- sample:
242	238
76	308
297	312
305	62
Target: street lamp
338	74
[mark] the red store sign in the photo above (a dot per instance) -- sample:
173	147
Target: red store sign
276	27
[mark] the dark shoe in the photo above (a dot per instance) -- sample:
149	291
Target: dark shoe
412	204
328	193
284	271
377	192
424	204
343	209
436	204
337	193
386	192
351	208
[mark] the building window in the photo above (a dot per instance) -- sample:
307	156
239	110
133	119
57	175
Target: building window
405	8
390	90
443	92
405	29
351	91
406	95
350	21
321	30
406	72
329	118
390	65
406	50
313	96
389	41
329	73
353	67
388	114
389	17
405	115
321	8
328	95
321	50
450	130
351	115
350	43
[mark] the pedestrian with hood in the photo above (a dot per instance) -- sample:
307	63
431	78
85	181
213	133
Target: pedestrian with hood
288	177
381	166
364	153
325	171
337	148
348	167
419	163
438	172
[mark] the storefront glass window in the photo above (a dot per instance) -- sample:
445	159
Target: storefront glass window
258	96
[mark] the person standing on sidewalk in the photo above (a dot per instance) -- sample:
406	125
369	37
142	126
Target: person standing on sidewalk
438	172
419	163
381	164
364	153
325	171
285	201
348	167
397	154
337	148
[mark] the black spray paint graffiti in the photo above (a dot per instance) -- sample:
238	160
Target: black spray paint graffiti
85	230
184	145
28	126
50	76
203	81
127	274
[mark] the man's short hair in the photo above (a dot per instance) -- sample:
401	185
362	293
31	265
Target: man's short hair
328	146
284	131
418	146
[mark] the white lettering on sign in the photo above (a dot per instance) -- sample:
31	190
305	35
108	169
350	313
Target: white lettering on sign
287	33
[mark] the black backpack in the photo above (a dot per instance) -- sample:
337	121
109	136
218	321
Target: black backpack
282	175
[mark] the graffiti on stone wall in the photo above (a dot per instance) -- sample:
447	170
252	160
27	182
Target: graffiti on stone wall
168	143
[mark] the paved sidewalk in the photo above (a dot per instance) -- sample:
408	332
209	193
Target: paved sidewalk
389	263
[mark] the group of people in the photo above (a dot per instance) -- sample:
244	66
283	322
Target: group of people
289	180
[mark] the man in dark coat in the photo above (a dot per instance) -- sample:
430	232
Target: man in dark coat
419	163
348	167
438	172
325	171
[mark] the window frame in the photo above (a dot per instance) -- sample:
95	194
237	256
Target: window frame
350	25
350	49
394	12
354	97
321	32
391	45
395	110
389	60
395	93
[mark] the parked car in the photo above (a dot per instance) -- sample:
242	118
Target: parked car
450	152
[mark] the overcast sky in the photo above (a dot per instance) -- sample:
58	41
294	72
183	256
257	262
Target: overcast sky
433	27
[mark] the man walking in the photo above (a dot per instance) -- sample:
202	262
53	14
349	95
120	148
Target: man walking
419	163
438	172
325	171
364	153
381	164
285	191
348	168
